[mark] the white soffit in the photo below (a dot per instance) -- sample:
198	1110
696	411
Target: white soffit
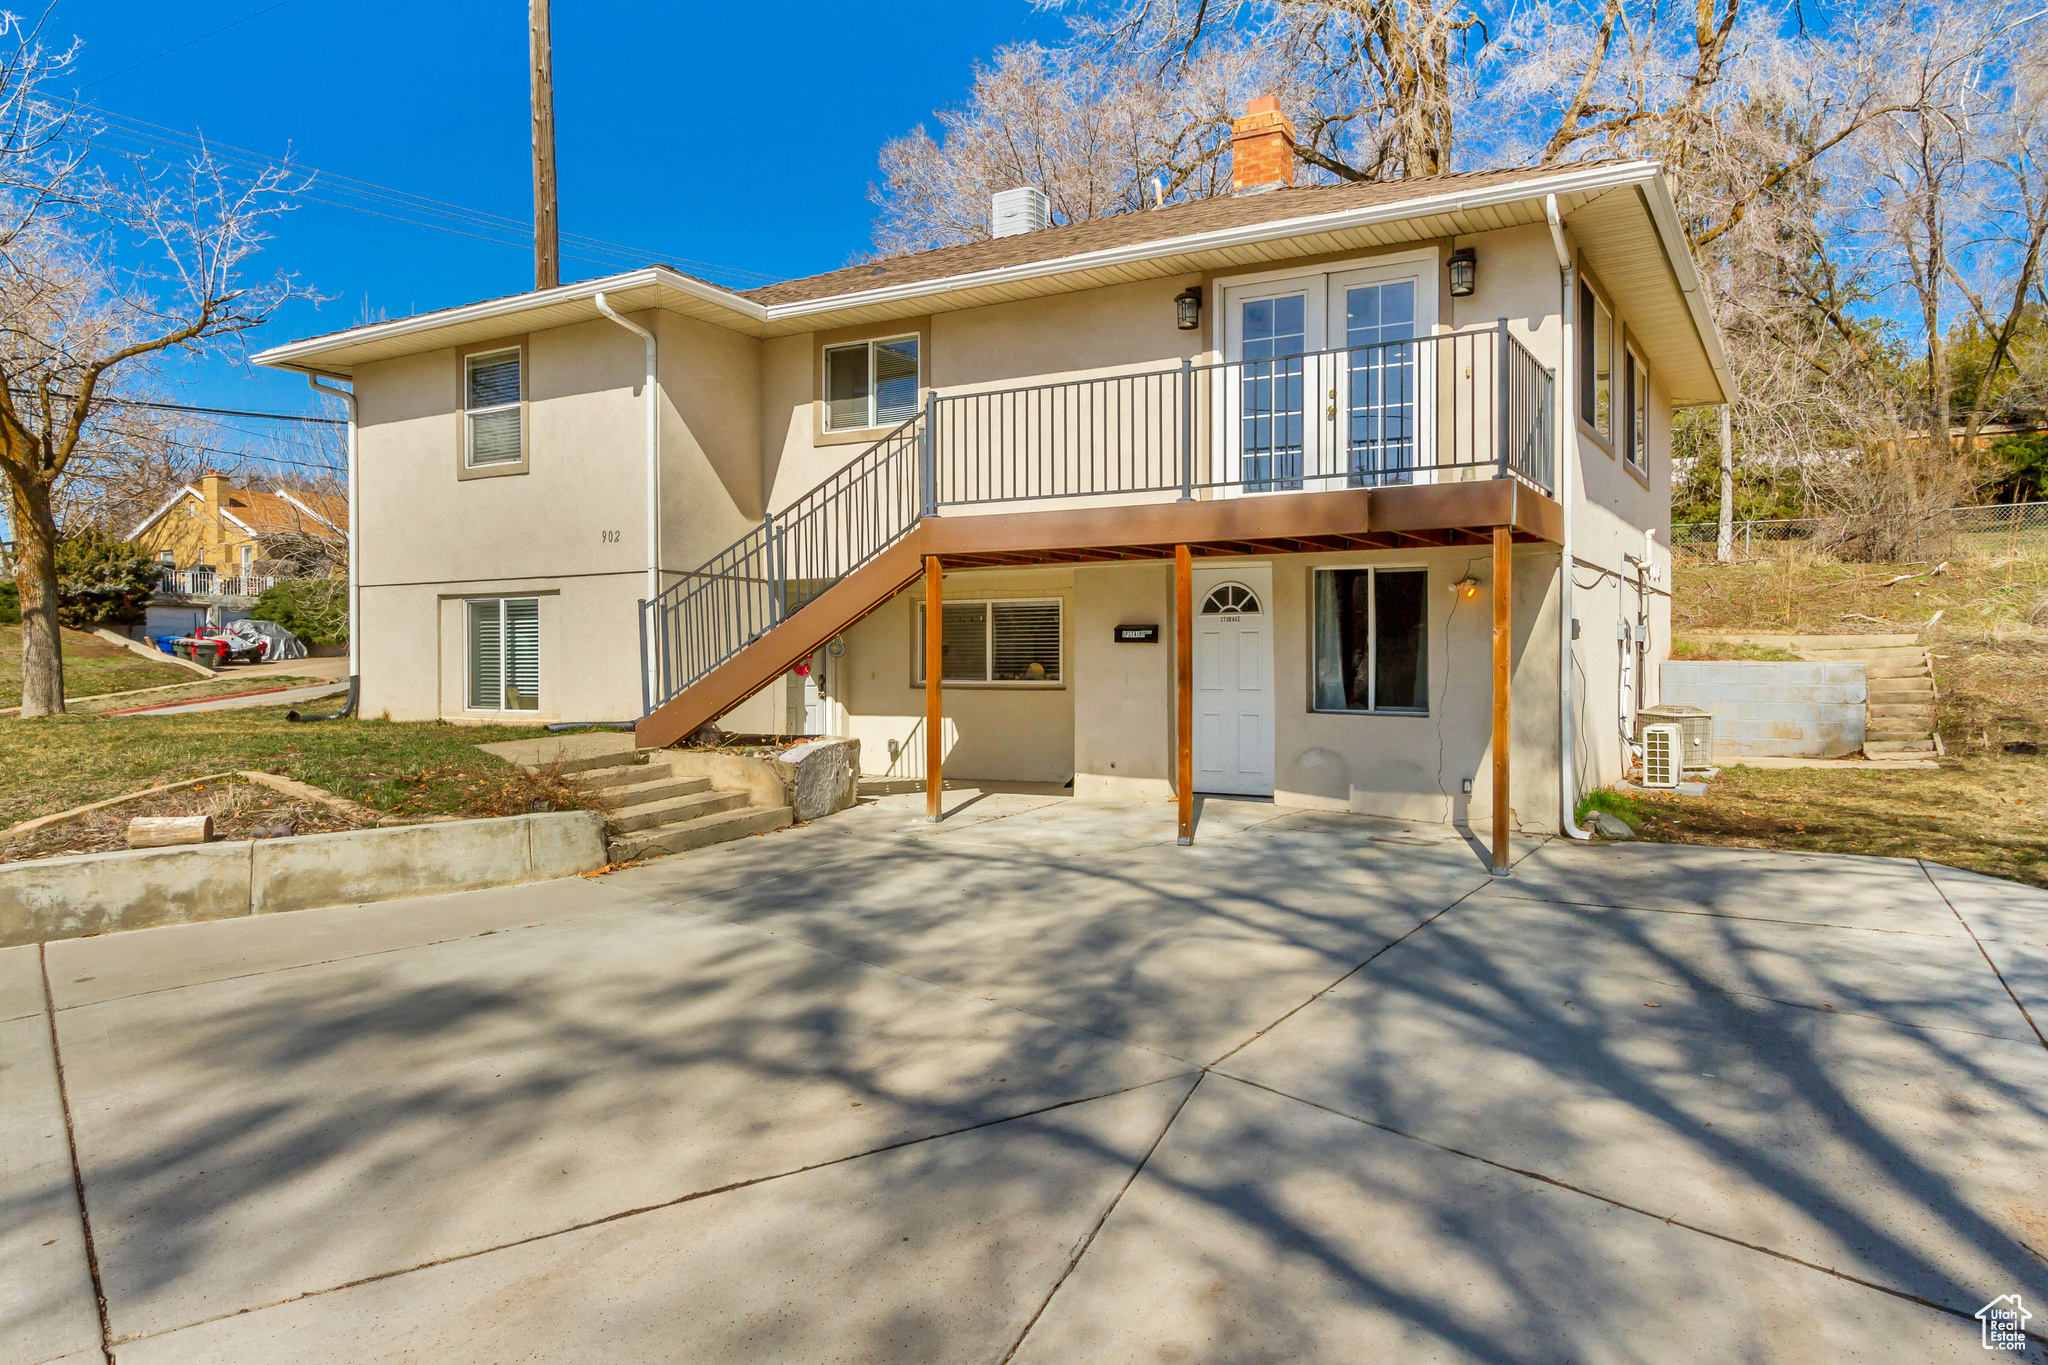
1604	207
1625	255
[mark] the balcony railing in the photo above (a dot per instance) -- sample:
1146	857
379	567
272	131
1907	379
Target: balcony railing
1437	409
203	582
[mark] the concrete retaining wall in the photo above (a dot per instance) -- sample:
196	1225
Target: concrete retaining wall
97	893
1804	710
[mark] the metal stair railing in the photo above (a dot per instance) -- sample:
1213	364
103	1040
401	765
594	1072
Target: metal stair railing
756	583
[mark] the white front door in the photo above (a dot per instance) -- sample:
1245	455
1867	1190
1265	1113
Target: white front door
1234	679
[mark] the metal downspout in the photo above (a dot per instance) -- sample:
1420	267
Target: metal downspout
1567	462
653	448
355	635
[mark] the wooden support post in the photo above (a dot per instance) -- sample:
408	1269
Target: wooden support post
934	669
1503	639
1184	688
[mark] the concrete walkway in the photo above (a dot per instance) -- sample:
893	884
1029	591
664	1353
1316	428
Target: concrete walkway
289	696
1033	1084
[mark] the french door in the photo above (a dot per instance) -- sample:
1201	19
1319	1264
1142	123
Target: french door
1326	384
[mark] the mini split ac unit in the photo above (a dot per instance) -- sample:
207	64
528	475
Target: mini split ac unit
1663	755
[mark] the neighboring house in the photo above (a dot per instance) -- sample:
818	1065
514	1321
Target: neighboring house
1303	425
214	543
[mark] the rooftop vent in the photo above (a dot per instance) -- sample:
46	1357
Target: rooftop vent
1024	209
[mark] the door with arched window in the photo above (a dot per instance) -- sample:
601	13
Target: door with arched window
1233	647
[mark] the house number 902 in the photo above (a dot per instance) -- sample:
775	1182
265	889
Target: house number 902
609	537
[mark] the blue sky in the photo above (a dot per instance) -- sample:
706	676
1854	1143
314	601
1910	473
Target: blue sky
744	136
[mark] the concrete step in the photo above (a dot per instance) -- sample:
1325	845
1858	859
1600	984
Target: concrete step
684	835
1897	710
1909	655
1914	687
588	763
1898	672
626	819
620	774
1898	748
1899	734
658	788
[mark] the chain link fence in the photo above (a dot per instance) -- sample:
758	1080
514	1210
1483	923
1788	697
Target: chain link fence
1959	532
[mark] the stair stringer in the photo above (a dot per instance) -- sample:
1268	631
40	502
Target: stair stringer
785	645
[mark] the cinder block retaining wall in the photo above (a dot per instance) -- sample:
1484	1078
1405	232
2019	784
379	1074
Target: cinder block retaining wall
1803	710
96	893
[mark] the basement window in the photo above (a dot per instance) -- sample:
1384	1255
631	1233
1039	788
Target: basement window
491	391
871	383
1372	641
1008	641
504	653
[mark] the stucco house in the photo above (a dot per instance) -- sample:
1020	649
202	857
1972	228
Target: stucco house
1355	496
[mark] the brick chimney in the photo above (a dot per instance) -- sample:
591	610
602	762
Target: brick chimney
213	488
1261	148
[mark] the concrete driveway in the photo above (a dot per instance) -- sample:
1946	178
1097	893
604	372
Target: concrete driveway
1036	1085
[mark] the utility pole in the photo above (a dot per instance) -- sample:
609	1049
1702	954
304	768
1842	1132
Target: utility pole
547	258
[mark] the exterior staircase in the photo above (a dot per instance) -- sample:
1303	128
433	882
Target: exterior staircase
650	811
1900	707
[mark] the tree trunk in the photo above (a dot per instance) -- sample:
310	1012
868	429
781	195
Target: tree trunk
42	654
1724	541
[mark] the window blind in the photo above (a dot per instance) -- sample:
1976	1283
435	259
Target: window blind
1026	641
504	654
522	654
492	401
895	381
999	641
486	655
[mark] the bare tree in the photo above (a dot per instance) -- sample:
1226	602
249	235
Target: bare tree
102	271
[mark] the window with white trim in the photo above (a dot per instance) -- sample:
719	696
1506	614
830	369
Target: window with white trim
1007	640
504	653
1372	640
490	403
871	383
1635	443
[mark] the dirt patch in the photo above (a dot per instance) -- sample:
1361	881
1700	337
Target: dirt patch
238	809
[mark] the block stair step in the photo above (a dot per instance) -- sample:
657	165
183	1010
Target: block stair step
1891	733
1898	710
1910	687
588	764
626	819
683	835
1908	655
1898	748
621	774
660	788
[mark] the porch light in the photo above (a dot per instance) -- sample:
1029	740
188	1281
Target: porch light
1187	308
1464	272
1466	587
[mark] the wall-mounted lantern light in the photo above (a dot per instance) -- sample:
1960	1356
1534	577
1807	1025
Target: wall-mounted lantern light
1464	272
1187	308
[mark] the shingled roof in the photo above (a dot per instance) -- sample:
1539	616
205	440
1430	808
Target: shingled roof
1122	229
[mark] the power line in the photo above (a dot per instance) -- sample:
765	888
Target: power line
229	412
188	42
402	205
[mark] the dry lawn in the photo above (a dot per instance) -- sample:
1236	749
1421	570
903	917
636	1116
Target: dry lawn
1986	809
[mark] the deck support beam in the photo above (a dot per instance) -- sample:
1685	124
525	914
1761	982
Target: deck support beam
934	668
1184	688
1503	640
